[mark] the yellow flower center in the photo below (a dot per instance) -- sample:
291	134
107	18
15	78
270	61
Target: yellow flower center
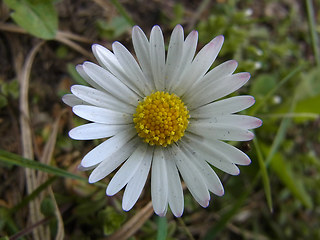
161	119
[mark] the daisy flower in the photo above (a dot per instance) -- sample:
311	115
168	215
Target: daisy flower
161	114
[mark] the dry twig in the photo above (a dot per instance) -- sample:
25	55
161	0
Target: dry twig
61	36
42	176
134	224
26	135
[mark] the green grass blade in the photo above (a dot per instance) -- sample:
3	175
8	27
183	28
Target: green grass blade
34	194
286	175
304	115
281	133
162	228
280	136
14	159
7	222
264	174
223	221
281	167
313	31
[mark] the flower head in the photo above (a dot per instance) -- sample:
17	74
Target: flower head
162	115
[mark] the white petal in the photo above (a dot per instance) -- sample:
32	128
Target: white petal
82	168
204	151
217	89
113	161
233	154
137	182
92	131
132	68
109	61
222	107
175	192
71	100
237	120
191	176
219	131
159	183
101	99
189	49
110	83
108	147
157	57
101	115
210	177
221	71
127	171
200	65
174	56
142	49
85	76
242	121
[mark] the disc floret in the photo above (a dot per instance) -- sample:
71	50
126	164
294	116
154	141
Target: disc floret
161	118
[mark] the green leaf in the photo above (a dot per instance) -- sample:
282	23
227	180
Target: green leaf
3	101
5	238
112	220
75	75
162	228
122	11
4	213
7	223
309	105
253	110
310	84
308	94
262	84
38	18
294	184
10	89
114	28
47	207
178	11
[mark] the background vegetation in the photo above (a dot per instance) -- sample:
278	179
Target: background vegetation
43	196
